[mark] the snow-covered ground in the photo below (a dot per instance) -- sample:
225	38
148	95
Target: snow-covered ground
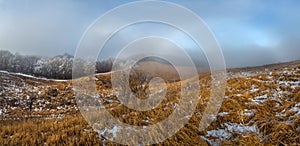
276	93
23	95
32	77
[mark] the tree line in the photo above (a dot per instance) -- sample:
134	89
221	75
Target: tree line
58	67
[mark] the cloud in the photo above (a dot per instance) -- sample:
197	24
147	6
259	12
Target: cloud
44	28
250	32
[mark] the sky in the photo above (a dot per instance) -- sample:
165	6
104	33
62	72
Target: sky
249	32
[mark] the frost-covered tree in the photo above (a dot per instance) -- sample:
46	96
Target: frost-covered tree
17	63
58	67
5	57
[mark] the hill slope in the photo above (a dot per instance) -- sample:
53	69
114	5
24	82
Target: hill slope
261	106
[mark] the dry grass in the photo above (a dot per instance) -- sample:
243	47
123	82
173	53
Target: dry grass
275	119
71	130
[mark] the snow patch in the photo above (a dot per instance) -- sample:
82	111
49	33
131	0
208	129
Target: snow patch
222	114
238	128
107	131
219	133
260	99
254	88
248	113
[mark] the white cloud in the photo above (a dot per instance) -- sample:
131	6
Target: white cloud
244	27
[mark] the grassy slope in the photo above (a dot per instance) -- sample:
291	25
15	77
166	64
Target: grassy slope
259	108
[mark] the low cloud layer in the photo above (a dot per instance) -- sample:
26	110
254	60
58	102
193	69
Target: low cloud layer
250	32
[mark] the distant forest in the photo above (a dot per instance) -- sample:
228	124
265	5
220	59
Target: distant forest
58	67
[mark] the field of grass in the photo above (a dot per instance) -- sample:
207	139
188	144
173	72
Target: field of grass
260	108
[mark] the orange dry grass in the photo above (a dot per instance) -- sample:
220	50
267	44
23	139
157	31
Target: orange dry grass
275	117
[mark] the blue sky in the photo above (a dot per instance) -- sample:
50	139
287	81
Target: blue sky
250	32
